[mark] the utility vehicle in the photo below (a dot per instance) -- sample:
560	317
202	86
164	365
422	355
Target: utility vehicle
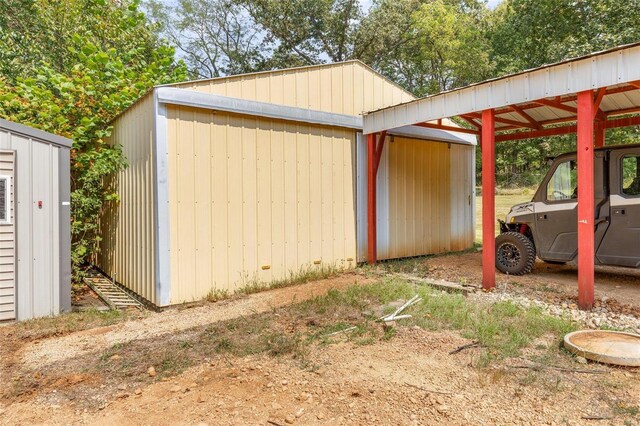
546	227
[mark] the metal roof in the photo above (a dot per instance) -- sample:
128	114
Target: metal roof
529	100
37	134
190	98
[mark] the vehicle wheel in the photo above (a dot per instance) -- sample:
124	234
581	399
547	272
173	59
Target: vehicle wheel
515	253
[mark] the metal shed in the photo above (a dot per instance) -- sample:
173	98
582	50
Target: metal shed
251	178
35	238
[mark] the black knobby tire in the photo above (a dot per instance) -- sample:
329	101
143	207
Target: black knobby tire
515	253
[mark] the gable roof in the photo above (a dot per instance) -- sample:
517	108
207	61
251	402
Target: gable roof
304	68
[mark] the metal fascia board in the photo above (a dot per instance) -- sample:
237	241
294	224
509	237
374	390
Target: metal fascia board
190	98
32	133
161	211
607	69
434	135
64	190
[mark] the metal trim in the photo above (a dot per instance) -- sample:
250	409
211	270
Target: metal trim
64	215
602	69
190	98
30	132
161	212
434	135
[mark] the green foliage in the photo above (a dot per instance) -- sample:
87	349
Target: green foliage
76	84
526	34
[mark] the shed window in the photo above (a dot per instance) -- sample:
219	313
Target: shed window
5	199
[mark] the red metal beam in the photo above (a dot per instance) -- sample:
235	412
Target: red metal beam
488	200
622	122
564	130
450	128
471	121
635	84
526	116
571	98
379	148
557	105
599	131
599	114
517	124
623	111
372	238
553	131
586	203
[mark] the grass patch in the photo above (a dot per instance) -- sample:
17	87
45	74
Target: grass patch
503	205
503	329
66	323
301	276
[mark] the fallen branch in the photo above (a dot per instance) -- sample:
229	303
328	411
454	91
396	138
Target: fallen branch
271	422
475	344
597	417
553	367
427	390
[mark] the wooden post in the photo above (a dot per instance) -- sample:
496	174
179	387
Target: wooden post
488	200
586	230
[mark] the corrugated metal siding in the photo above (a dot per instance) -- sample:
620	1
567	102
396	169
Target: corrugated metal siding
255	200
127	226
422	202
462	213
37	230
7	246
345	88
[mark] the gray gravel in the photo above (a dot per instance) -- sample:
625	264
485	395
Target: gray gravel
598	318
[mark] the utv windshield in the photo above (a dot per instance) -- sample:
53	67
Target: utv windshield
563	184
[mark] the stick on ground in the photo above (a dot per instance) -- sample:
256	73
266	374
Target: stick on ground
475	344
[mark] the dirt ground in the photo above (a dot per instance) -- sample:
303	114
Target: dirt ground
409	378
546	281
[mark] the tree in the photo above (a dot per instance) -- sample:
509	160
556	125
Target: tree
78	86
445	48
215	37
526	34
530	33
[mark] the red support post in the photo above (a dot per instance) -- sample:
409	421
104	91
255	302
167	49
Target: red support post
372	238
599	132
586	204
488	200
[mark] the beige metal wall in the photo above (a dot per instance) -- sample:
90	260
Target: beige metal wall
8	245
255	200
127	227
424	199
345	88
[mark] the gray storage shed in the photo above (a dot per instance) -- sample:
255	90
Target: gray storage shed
35	237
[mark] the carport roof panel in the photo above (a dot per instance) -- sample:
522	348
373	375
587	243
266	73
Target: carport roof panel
611	68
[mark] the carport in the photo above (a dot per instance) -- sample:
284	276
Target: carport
586	95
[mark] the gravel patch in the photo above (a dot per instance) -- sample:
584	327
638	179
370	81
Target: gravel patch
599	317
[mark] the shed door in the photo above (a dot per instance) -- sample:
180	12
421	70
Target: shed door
7	240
